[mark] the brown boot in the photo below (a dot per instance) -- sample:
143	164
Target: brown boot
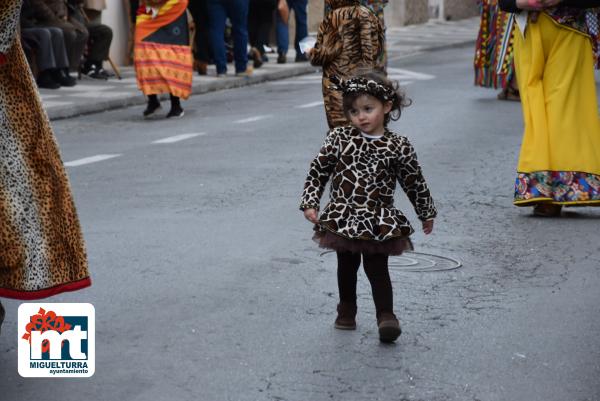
346	316
201	67
389	327
546	210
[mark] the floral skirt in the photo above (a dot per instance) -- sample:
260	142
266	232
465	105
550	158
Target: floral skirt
559	162
395	246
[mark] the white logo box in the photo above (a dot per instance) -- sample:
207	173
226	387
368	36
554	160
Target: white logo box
77	362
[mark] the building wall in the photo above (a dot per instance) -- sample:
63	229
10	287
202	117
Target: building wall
459	9
115	16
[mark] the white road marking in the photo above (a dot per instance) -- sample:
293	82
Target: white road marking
404	75
397	74
309	105
88	160
177	138
55	103
252	119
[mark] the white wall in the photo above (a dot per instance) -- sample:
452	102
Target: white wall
115	16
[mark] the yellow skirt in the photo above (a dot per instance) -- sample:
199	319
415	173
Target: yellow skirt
559	161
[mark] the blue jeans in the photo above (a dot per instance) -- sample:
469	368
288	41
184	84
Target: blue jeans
237	12
299	7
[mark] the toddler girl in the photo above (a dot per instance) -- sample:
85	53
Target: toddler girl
364	160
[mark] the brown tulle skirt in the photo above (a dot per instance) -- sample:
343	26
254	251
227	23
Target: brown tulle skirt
395	246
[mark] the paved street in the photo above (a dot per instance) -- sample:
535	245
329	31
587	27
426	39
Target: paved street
208	287
92	95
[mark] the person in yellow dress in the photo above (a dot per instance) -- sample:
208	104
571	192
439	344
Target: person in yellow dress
555	55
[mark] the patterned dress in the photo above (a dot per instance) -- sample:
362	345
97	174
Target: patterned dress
494	49
350	38
363	174
559	161
162	55
41	247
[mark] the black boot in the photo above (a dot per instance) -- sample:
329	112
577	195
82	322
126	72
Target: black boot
61	75
46	80
153	105
176	109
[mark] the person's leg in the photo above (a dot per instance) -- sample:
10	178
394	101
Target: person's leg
203	40
254	55
61	71
70	37
254	7
300	14
45	60
152	106
237	11
98	45
265	21
376	268
199	9
217	17
81	39
347	269
283	37
58	46
176	109
348	264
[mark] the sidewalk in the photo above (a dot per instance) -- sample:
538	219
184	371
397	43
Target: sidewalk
93	96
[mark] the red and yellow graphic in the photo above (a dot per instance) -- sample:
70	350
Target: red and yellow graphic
44	321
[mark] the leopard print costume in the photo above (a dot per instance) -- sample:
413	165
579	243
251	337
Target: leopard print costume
41	246
350	38
363	180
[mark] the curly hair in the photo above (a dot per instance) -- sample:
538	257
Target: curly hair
399	100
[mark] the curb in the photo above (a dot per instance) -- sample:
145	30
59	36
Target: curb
198	88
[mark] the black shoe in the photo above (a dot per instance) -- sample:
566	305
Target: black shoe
94	71
175	112
281	58
151	108
46	81
63	78
301	58
264	58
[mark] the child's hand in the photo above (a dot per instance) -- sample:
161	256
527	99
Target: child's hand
311	215
428	226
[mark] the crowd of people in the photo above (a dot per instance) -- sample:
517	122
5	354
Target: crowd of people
163	55
61	37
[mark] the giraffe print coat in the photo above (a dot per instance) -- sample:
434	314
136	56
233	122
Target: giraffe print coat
363	176
41	246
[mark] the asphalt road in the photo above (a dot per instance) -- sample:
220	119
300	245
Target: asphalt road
208	287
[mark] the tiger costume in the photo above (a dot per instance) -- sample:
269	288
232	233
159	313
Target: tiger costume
350	38
41	246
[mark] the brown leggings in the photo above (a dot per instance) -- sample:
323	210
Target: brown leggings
376	269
